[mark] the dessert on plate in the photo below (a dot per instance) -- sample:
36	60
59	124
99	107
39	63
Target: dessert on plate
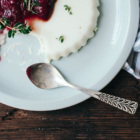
62	26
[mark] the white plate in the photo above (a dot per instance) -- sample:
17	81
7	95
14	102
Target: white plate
93	67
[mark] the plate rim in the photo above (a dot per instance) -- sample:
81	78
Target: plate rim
133	27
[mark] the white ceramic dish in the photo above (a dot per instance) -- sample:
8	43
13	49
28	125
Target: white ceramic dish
93	67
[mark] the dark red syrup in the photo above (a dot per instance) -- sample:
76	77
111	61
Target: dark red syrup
28	71
15	11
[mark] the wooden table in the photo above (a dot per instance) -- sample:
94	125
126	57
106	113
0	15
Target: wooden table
91	119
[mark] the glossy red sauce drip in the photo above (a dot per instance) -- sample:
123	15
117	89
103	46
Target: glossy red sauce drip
29	72
15	12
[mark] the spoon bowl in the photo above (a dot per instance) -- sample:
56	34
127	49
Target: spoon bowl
45	76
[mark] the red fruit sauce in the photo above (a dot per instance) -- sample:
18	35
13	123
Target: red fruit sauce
29	72
15	11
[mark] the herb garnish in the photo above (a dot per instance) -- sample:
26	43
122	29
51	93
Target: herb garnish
21	27
61	38
68	8
29	5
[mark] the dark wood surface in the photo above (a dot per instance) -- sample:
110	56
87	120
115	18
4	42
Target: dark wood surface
91	119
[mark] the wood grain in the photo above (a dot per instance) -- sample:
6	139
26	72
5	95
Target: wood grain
91	119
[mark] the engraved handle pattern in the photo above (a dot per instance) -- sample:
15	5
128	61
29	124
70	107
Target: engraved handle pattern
120	103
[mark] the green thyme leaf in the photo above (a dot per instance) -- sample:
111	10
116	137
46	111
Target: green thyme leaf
1	27
9	33
61	38
5	21
34	12
36	3
68	8
19	25
25	5
13	33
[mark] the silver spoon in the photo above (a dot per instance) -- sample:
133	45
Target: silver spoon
46	76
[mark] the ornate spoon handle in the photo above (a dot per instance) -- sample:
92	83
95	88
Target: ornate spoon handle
120	103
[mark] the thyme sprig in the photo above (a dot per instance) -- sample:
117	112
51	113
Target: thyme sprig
21	27
28	4
68	8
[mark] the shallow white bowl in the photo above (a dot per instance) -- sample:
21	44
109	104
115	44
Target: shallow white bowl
93	67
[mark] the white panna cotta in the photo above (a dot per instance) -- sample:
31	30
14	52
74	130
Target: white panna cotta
76	28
